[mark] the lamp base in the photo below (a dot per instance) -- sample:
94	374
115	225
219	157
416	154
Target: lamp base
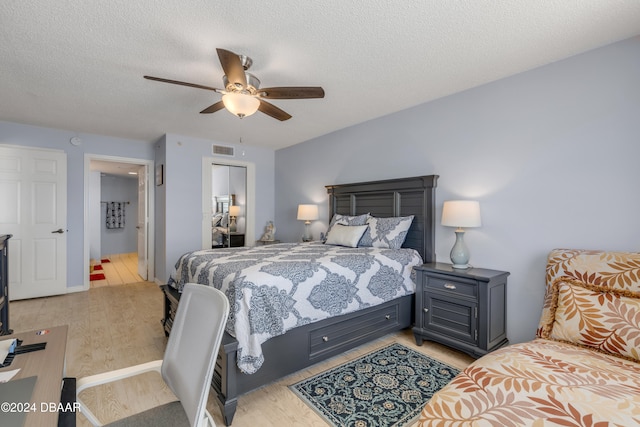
307	237
461	266
459	252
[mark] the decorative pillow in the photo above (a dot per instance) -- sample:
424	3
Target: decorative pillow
386	232
348	220
215	221
605	319
345	235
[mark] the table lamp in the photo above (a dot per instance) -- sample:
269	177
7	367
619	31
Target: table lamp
307	213
234	212
459	214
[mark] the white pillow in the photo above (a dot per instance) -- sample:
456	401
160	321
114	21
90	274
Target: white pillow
348	220
345	235
217	218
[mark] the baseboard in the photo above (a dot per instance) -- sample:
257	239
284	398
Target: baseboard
80	288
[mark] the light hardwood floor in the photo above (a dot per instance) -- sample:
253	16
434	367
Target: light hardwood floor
111	327
121	269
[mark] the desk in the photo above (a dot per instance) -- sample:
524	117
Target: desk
48	365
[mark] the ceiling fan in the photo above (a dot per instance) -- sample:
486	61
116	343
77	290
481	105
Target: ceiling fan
242	94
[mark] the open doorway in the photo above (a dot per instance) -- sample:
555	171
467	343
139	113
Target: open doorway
118	221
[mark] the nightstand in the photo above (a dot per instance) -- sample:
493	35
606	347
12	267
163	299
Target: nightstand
463	309
236	239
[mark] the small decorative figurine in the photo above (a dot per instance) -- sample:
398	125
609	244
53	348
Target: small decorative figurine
270	232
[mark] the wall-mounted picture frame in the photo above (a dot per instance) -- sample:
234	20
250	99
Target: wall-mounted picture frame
159	175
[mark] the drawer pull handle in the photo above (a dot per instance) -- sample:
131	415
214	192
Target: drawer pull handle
449	286
325	338
426	310
388	317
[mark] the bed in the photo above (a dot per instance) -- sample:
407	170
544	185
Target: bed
307	340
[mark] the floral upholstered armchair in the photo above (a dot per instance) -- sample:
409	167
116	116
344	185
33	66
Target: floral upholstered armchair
583	368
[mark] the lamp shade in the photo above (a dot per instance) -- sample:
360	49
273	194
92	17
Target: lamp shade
234	210
240	104
461	213
307	212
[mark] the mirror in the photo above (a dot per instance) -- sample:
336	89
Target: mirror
229	199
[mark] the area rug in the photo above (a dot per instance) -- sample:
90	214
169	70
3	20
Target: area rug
97	267
105	260
96	276
388	387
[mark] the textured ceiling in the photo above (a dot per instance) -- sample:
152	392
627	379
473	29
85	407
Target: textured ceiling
78	65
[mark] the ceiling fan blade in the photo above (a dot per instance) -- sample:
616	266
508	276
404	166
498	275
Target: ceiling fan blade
213	108
291	92
233	69
273	111
176	82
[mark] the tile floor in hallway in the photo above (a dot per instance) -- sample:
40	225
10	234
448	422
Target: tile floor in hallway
121	269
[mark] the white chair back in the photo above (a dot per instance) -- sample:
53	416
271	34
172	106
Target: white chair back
191	352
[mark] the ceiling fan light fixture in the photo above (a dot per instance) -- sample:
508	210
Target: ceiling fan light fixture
239	104
242	95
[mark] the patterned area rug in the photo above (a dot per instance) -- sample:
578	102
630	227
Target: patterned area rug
388	387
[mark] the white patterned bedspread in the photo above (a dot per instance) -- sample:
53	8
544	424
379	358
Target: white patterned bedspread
275	288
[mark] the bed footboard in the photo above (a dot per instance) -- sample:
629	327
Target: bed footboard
298	348
304	346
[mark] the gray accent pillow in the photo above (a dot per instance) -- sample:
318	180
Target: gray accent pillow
348	220
386	232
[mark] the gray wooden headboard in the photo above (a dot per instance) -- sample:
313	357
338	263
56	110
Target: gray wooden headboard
393	197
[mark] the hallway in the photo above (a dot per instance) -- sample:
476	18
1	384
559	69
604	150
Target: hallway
120	270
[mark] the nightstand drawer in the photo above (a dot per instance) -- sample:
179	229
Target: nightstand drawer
462	287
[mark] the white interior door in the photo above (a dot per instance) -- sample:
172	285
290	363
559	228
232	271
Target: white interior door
143	223
33	190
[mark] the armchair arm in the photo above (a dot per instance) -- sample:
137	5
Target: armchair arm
107	377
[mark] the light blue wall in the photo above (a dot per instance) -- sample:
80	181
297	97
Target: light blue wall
220	180
551	154
34	136
119	240
182	195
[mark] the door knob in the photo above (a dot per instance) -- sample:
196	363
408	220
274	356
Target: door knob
59	231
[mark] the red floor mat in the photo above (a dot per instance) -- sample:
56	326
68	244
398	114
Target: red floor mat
105	260
97	276
97	267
